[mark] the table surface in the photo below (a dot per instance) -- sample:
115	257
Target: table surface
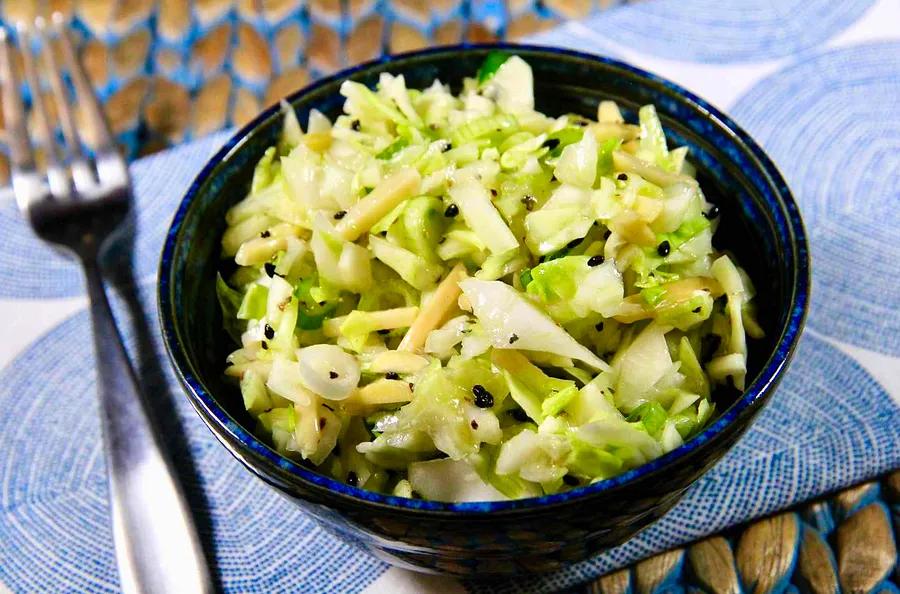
816	82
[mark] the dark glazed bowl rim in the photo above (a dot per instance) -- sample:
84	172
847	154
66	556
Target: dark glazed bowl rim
267	461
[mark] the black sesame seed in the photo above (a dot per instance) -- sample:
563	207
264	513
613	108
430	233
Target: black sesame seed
340	215
664	248
270	269
269	332
412	386
573	243
595	260
333	374
712	213
448	147
328	407
322	421
322	302
696	309
529	202
551	143
571	480
474	424
513	338
622	177
598	326
352	479
264	345
451	211
355	125
265	234
519	415
229	363
483	398
392	375
493	192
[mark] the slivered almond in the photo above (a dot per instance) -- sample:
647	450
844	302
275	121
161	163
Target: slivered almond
378	393
259	250
633	229
397	361
383	199
608	113
237	370
606	130
442	302
684	289
622	161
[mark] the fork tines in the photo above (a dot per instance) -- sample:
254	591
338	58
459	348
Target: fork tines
66	163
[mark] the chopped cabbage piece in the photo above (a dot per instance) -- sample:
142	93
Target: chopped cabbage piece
513	322
450	480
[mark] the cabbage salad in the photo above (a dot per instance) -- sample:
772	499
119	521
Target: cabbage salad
459	298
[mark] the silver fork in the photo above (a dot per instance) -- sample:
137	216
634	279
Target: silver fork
77	206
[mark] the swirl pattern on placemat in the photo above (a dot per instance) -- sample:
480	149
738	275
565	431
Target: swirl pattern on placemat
718	32
573	35
54	513
832	125
794	451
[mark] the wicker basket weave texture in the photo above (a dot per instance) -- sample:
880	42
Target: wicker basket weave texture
843	543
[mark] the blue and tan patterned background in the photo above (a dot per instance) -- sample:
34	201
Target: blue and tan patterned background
815	81
173	70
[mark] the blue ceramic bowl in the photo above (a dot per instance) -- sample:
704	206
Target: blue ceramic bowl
760	223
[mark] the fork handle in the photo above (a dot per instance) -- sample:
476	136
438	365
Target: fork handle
157	548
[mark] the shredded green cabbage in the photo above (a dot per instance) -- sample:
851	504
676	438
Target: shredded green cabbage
460	298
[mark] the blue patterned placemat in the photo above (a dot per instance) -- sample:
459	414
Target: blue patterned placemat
824	104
